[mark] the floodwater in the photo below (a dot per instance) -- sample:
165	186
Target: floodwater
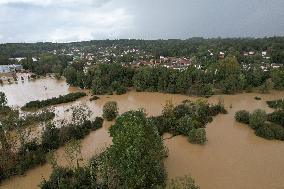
233	157
18	94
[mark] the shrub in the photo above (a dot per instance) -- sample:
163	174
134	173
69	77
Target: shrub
121	90
94	98
265	131
77	132
185	182
98	123
163	124
197	136
81	177
181	110
3	99
30	155
276	104
50	138
184	125
277	117
242	116
216	109
278	132
257	98
257	119
110	110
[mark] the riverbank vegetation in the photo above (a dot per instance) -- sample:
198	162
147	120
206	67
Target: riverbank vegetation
18	154
266	125
53	101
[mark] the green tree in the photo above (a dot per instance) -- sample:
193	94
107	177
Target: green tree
136	157
110	110
70	74
277	76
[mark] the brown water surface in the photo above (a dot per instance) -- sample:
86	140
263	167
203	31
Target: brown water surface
28	90
232	158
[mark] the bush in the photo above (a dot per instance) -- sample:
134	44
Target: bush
257	98
197	136
30	155
265	131
242	116
184	125
81	177
257	119
50	138
276	104
53	101
94	98
181	110
277	117
110	110
77	132
185	182
278	132
121	90
216	109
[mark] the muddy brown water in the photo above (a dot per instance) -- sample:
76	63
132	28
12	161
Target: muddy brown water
233	156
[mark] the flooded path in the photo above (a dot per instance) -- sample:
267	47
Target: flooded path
233	156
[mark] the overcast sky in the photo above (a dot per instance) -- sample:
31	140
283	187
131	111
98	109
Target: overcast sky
77	20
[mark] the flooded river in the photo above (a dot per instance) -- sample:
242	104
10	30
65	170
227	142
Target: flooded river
233	156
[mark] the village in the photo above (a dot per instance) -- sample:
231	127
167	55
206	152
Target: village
133	57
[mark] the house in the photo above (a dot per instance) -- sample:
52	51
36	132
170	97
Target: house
251	52
34	59
18	59
221	54
263	53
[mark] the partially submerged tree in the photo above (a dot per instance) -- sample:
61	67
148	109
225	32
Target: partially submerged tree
3	99
110	110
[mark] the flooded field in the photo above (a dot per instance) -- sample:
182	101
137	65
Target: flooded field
233	156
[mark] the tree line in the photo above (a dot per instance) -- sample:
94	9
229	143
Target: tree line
226	76
53	101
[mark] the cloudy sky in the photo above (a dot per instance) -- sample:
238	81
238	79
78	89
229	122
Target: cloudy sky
77	20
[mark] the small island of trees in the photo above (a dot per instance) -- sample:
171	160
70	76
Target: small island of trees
269	126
